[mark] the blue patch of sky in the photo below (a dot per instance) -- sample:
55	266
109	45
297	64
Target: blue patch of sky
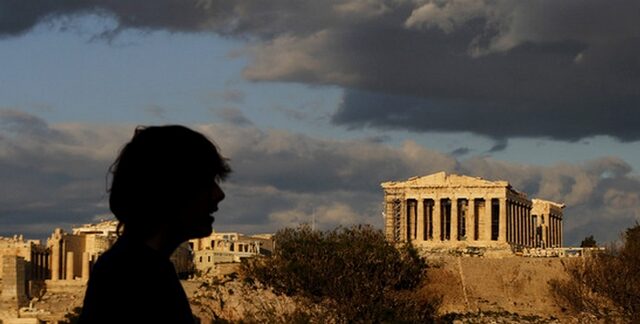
83	79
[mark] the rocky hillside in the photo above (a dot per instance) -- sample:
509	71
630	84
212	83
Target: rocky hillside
473	290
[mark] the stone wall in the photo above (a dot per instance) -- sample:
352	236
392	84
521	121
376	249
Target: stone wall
509	284
65	286
13	281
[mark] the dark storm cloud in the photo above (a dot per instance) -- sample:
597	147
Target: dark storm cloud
619	117
51	175
571	119
559	69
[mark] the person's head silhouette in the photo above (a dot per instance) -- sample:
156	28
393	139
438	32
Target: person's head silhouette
165	185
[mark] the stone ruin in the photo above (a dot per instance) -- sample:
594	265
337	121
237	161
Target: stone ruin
470	215
227	247
61	267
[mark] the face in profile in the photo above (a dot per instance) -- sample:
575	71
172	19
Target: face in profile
167	177
197	217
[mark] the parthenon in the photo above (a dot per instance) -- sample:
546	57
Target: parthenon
448	210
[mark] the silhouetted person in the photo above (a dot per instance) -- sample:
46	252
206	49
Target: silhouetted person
163	191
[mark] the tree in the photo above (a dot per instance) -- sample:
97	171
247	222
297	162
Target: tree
355	271
588	242
605	284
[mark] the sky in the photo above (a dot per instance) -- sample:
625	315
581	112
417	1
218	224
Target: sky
318	102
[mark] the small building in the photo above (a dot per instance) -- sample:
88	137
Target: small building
35	255
226	247
456	211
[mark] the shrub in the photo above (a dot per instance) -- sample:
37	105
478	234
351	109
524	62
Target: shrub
607	283
355	270
588	242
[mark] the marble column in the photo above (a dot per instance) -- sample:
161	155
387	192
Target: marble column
560	232
517	221
552	230
513	207
69	275
557	226
519	226
486	230
85	265
392	222
471	220
403	221
531	227
557	232
420	222
428	219
545	228
436	218
388	221
532	231
55	261
527	225
523	227
514	223
454	219
509	204
502	221
411	219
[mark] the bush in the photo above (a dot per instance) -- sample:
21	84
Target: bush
588	242
606	284
354	270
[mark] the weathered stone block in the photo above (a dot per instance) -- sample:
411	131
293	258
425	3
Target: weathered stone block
13	281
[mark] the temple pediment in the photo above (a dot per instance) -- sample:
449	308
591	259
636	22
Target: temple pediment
442	179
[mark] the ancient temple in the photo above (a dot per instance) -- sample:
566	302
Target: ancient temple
448	210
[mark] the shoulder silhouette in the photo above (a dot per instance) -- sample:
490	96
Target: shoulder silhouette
164	190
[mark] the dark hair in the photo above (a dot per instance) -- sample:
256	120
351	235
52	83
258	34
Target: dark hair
158	171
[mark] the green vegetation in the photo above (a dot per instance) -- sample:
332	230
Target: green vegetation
354	272
588	242
606	285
